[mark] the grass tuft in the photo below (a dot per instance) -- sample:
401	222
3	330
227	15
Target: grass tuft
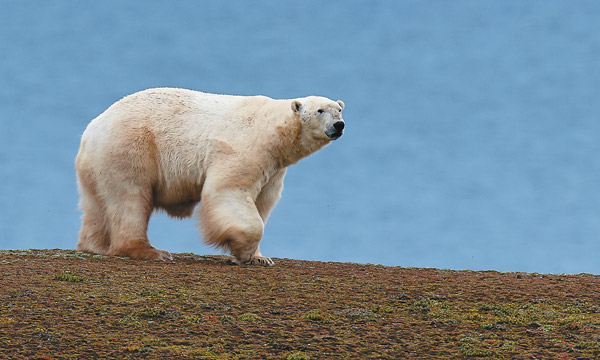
69	276
316	315
249	317
297	355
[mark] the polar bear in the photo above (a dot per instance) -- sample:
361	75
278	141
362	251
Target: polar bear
170	149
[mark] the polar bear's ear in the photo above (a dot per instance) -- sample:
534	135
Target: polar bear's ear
341	103
296	105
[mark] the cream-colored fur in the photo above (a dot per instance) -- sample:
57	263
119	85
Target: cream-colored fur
171	148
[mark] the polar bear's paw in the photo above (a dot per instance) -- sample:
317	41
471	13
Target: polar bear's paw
261	260
163	255
255	260
140	249
151	254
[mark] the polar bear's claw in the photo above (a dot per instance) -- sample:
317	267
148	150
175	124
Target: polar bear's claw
164	255
261	260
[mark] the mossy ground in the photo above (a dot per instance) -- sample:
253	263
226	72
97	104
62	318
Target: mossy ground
57	304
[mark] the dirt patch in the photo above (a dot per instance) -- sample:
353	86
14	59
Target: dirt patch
58	304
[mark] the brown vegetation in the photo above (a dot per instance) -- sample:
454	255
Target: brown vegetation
57	304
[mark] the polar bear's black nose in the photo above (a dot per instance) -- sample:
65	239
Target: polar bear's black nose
339	125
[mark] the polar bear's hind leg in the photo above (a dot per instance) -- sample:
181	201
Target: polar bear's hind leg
93	236
128	213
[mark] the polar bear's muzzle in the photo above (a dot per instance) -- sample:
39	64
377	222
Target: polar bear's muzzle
336	131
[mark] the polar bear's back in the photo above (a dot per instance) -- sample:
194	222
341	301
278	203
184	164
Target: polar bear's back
169	108
172	114
171	131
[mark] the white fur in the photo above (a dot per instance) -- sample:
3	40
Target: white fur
169	148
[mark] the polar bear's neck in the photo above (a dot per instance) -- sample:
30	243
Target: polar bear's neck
291	143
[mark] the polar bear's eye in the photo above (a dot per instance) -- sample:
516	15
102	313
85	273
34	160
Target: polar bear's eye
320	111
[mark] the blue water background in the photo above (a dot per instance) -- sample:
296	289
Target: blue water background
473	127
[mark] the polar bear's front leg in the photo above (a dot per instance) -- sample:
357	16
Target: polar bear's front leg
231	220
270	194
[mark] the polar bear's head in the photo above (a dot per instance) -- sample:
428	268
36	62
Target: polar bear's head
321	117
